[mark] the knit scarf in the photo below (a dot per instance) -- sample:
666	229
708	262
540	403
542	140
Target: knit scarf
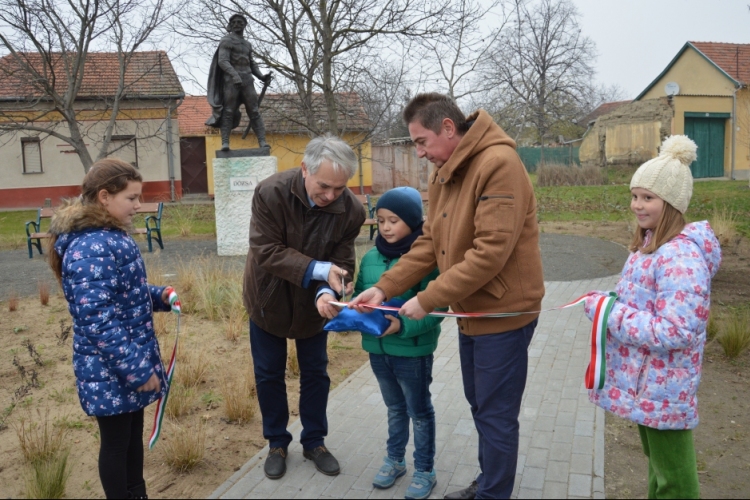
399	248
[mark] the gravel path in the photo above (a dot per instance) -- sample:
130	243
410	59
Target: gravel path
565	258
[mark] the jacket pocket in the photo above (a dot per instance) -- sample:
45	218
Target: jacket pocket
495	212
642	381
266	295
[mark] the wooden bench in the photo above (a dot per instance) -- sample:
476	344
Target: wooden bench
371	220
152	230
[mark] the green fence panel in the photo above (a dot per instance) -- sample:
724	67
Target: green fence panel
531	157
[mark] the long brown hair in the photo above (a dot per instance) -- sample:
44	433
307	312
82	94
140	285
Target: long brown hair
671	223
110	174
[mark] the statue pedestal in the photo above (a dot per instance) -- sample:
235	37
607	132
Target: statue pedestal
235	179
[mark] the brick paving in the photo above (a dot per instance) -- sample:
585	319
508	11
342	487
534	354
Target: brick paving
562	434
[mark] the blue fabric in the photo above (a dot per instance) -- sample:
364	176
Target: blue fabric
405	386
374	323
494	369
269	363
115	350
406	202
316	270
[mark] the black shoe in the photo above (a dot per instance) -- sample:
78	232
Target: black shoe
324	461
275	466
464	494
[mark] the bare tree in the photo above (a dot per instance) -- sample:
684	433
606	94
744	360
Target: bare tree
544	62
472	29
320	48
48	45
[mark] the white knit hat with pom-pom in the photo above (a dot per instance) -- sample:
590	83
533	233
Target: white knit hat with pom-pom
668	175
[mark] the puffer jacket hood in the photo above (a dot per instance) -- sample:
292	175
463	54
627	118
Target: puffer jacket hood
104	281
657	330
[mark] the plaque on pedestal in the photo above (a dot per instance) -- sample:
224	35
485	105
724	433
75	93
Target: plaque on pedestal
235	178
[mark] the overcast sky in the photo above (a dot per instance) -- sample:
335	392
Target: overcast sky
636	39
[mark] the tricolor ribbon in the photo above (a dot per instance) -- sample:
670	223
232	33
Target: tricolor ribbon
597	366
161	405
596	372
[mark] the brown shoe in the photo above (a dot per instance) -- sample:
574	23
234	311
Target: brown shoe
464	494
275	466
324	461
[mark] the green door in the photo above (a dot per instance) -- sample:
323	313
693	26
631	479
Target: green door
708	134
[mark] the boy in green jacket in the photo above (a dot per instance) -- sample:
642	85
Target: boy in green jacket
402	357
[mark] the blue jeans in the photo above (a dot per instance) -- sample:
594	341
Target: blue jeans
405	386
494	371
269	360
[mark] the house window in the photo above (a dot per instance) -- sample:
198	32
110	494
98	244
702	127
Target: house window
124	147
32	155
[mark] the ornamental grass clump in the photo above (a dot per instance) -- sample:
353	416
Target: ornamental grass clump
45	450
735	335
184	447
238	396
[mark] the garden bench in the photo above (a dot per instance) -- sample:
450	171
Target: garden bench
370	220
152	230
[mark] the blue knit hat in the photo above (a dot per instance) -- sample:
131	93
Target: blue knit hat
406	202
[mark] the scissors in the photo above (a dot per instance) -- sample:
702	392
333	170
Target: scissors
343	288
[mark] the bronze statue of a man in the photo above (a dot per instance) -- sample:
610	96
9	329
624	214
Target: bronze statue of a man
230	83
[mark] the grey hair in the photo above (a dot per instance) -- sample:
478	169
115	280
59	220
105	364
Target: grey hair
333	149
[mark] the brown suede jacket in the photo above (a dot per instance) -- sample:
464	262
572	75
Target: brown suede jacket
481	232
286	234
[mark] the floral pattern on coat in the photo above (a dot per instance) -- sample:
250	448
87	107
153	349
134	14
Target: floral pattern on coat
657	330
115	350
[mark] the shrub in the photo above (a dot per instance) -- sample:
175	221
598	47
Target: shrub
185	448
735	337
238	394
553	174
43	288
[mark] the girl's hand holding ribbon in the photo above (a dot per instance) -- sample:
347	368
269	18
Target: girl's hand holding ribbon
170	298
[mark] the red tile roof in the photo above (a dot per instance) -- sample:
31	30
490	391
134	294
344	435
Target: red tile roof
149	75
603	109
732	58
281	114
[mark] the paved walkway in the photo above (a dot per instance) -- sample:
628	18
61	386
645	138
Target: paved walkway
562	434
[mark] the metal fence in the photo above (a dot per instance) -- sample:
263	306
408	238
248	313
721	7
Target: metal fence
565	155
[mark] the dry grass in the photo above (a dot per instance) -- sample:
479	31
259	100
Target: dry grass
40	440
180	400
13	302
238	395
211	288
552	174
292	363
185	446
49	478
234	326
724	224
192	366
713	326
735	335
43	288
161	324
45	450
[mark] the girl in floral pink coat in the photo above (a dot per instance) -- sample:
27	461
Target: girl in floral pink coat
657	328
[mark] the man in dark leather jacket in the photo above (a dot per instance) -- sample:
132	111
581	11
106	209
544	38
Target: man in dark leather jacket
302	231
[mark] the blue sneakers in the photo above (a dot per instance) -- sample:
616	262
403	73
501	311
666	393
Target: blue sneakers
421	484
389	472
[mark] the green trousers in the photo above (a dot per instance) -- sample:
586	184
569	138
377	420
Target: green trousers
672	471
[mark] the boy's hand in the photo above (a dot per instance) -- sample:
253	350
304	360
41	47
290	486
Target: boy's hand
325	309
412	309
395	325
373	296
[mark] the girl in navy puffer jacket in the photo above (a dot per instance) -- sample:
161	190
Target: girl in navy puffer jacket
116	356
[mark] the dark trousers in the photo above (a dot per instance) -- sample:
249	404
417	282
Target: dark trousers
121	455
494	371
405	386
269	360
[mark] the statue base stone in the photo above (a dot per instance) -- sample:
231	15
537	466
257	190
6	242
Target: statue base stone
235	179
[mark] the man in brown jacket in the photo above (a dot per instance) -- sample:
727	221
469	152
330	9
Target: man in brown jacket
482	233
302	231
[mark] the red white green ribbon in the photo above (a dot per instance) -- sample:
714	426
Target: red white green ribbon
596	372
161	405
